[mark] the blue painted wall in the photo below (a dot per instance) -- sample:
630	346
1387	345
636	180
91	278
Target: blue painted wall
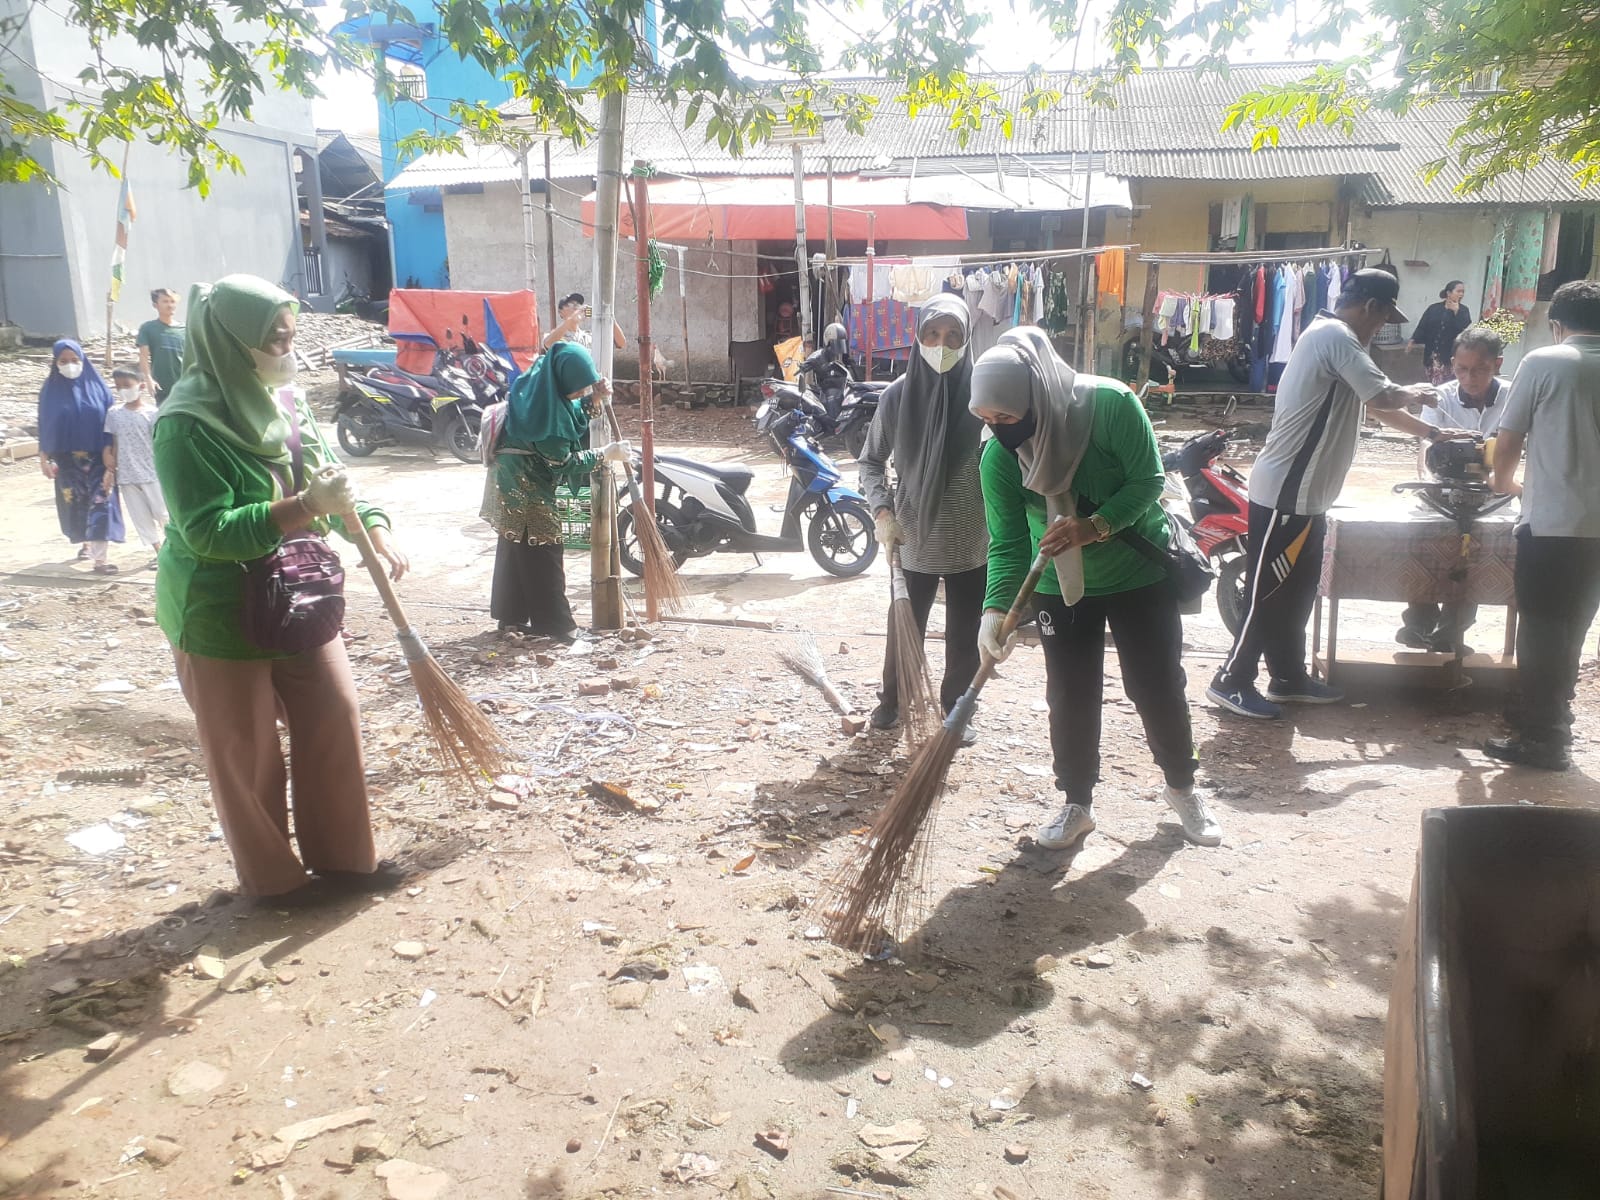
416	218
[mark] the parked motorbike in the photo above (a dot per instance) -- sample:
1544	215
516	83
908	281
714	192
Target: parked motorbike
389	406
1170	360
845	425
703	509
1213	502
356	301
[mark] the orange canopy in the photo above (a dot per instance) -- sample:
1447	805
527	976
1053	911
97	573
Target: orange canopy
420	320
762	209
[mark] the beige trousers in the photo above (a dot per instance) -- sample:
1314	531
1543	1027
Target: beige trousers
237	705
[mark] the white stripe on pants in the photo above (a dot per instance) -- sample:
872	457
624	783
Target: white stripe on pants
148	509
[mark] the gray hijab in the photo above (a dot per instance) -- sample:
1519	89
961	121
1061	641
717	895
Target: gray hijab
934	426
1021	374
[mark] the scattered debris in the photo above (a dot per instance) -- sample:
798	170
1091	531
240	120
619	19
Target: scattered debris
1140	1082
687	1168
410	951
161	1150
1016	1153
195	1080
774	1141
894	1143
97	839
102	1048
412	1181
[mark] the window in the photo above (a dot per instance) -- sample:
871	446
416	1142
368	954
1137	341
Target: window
412	82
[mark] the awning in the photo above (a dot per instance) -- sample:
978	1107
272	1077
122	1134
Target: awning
762	209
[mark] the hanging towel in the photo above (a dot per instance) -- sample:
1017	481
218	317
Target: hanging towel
1112	268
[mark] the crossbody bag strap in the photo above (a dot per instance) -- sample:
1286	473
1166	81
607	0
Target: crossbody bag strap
1130	536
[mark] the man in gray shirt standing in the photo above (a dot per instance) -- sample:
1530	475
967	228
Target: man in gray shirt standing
1554	409
1329	384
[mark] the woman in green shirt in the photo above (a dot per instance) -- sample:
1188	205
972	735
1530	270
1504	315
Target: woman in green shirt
540	446
222	456
1072	464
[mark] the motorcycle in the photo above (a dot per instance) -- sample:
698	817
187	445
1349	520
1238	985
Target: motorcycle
1170	359
388	406
703	509
355	301
858	404
1212	501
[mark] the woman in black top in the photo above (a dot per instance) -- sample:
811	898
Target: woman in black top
1436	332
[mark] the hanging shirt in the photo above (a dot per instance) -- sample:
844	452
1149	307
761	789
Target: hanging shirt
1282	316
1261	294
1335	286
1222	317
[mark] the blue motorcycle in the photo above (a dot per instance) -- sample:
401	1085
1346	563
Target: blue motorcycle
704	509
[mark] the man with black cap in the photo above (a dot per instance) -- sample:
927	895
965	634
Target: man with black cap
1327	386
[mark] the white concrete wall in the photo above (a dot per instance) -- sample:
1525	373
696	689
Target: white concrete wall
248	223
483	231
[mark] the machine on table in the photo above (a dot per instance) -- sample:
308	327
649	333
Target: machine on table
1464	554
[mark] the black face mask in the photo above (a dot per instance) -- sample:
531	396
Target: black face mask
1013	435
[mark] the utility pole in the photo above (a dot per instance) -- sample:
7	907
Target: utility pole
605	572
527	216
647	408
830	291
1086	297
800	260
549	236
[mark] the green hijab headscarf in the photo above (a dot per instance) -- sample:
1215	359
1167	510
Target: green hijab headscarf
538	409
219	387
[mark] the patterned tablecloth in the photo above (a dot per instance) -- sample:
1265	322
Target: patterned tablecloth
1404	554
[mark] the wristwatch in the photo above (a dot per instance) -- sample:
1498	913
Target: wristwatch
1101	526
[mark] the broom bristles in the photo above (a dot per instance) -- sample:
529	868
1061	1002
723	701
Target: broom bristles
803	658
660	572
467	740
918	714
883	883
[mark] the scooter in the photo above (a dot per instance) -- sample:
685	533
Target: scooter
388	405
1214	505
858	404
703	509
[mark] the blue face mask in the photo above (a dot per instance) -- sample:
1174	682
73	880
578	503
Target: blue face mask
1013	435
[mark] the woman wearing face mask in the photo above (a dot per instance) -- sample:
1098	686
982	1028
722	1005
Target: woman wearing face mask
539	446
934	513
1075	455
72	439
224	451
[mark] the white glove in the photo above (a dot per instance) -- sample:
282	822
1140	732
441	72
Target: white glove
330	491
617	452
890	531
989	637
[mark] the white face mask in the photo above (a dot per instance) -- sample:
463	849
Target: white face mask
274	370
941	358
70	370
127	394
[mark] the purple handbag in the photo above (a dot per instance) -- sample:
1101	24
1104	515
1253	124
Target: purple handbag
294	597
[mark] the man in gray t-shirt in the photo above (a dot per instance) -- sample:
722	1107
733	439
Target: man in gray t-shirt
1554	409
1328	385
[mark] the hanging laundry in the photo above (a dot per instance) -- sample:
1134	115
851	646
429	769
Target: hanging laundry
994	295
1282	315
1243	242
1497	267
889	328
1222	317
1230	221
1036	313
1552	243
1112	268
1335	286
913	284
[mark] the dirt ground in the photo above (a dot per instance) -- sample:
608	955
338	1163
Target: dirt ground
593	991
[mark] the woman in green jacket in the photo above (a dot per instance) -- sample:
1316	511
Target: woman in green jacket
540	446
1073	463
223	458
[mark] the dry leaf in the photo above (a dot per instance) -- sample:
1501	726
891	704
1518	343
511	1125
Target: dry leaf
744	864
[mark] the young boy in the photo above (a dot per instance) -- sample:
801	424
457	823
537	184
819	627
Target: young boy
130	458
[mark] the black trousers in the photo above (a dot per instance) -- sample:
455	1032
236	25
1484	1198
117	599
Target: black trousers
1285	562
530	587
963	613
1148	630
1558	592
1443	621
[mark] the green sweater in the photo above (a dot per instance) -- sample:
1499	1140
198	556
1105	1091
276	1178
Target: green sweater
1120	474
218	499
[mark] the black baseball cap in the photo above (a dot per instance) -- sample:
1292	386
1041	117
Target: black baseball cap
1373	284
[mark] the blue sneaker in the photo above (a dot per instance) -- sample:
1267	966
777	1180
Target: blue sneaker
1302	691
1246	701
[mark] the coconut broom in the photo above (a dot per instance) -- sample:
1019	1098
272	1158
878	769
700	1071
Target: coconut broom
918	716
803	658
871	893
660	573
466	739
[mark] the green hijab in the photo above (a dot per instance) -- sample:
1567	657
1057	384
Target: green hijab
538	408
219	387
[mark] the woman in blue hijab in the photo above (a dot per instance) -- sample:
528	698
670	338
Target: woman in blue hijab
72	437
539	447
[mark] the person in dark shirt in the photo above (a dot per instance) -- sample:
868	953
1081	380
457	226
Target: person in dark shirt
161	345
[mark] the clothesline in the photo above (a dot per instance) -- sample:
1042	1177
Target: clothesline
974	260
1255	257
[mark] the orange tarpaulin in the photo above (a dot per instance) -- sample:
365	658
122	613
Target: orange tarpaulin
420	320
758	209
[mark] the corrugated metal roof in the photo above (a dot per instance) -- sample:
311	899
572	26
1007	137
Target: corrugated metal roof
1284	162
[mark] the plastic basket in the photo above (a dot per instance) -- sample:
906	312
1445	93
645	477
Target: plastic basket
572	509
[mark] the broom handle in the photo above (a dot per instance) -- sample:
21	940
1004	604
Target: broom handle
380	578
627	468
1008	627
840	704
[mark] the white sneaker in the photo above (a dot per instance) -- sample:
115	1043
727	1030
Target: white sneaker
1068	829
1199	826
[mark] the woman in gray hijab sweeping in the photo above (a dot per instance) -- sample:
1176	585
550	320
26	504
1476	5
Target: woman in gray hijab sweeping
934	512
1073	469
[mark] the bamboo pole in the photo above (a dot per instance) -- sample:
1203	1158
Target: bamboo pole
647	417
605	571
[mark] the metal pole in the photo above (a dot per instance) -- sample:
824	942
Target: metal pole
527	220
605	580
872	249
111	296
683	307
800	240
830	291
1085	300
647	411
549	235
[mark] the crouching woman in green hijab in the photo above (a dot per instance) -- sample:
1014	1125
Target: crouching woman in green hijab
224	456
538	446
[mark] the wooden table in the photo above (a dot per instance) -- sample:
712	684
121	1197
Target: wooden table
1406	554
